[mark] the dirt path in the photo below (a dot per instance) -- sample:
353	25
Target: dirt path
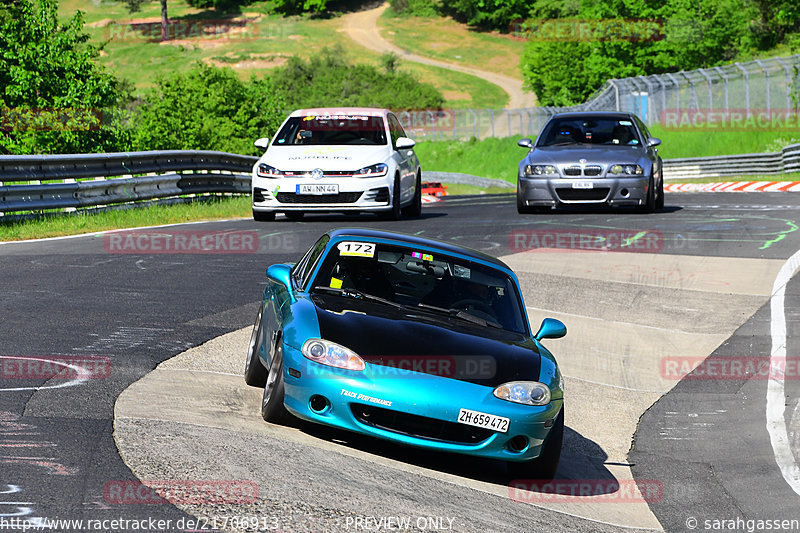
362	27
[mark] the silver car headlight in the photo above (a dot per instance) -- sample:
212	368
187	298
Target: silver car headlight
626	170
332	354
266	171
372	171
525	392
540	170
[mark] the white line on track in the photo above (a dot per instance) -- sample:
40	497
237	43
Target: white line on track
82	374
776	405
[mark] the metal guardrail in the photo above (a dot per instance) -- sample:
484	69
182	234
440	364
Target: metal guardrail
787	160
177	173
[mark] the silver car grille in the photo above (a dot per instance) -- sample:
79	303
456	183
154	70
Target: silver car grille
588	170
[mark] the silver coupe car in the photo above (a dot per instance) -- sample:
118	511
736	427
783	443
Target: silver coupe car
591	158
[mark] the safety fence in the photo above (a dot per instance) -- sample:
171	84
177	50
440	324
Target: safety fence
760	94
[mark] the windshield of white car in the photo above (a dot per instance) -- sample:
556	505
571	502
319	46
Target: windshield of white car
589	130
422	281
330	130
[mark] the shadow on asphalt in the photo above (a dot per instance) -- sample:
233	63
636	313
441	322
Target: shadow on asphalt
581	459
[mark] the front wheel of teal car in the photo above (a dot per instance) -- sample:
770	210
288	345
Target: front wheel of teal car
272	408
545	466
254	372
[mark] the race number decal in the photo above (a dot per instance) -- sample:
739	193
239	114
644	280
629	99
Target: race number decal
356	249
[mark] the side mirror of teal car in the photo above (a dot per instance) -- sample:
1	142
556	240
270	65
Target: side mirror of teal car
551	329
281	275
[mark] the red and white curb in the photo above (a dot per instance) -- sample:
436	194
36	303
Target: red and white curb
735	186
430	199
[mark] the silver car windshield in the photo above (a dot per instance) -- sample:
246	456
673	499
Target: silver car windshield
332	130
590	130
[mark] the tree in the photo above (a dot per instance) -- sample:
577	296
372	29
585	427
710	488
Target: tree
136	5
53	95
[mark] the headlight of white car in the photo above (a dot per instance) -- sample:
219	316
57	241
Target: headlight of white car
265	171
372	171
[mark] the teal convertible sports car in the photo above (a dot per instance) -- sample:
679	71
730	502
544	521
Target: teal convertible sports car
411	340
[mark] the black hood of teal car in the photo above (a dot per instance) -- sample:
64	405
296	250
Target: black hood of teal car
438	345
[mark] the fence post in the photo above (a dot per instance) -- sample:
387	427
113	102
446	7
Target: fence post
788	83
708	81
677	91
616	92
766	80
746	88
474	123
724	77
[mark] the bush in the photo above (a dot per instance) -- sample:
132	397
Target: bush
208	108
419	8
327	80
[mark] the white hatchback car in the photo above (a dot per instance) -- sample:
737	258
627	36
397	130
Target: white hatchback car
337	159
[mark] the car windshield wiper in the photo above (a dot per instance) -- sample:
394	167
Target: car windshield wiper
357	295
460	313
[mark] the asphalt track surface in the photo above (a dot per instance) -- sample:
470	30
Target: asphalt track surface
705	441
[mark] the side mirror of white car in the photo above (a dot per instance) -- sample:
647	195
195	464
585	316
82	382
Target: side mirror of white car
263	142
404	142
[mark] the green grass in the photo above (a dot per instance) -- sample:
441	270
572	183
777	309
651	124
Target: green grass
454	189
88	222
446	40
265	42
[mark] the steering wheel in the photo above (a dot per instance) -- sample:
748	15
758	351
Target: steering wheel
476	307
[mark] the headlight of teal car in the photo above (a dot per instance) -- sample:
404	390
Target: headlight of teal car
526	392
332	354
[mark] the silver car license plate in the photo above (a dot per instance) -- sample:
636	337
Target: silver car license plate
582	185
317	188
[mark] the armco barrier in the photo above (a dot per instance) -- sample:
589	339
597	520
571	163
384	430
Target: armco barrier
176	173
179	173
787	160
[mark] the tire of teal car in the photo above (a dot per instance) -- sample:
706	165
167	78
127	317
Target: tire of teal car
254	372
545	466
272	408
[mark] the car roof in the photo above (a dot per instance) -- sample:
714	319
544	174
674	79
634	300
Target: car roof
575	114
368	111
404	238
